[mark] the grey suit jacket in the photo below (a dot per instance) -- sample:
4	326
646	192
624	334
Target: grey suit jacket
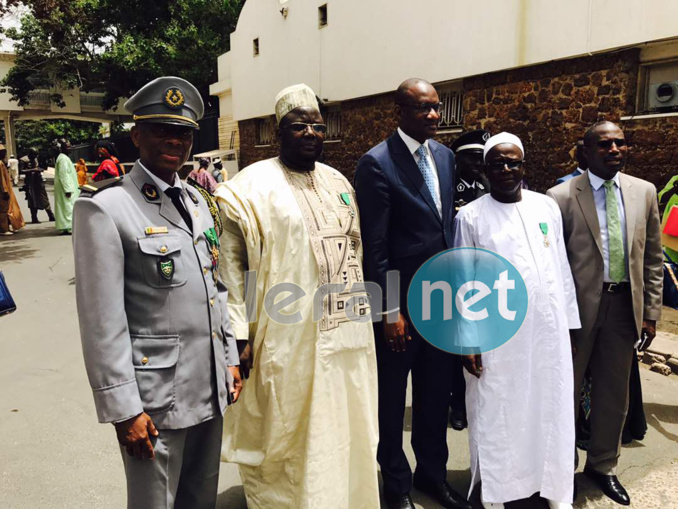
585	248
154	324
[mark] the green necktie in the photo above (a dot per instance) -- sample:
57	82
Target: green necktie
614	233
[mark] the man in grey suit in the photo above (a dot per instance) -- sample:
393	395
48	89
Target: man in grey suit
156	335
611	225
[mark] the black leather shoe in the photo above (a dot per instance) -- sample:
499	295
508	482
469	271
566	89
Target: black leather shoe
443	493
458	420
398	501
610	485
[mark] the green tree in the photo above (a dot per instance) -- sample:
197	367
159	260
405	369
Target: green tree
40	134
116	46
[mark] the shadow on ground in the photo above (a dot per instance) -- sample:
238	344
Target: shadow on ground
232	498
15	247
14	251
587	490
656	414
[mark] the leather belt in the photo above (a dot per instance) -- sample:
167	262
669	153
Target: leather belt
616	287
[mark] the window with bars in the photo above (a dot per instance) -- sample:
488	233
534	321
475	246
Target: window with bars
452	111
265	131
332	118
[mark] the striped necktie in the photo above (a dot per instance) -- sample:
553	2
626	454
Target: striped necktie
427	172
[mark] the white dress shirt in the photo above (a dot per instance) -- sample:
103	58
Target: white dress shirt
413	145
164	186
599	197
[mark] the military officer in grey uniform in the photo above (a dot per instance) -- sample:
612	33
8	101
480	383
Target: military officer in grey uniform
159	350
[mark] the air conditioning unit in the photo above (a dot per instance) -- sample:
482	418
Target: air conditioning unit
663	95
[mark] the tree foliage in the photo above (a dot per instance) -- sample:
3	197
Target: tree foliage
116	46
40	134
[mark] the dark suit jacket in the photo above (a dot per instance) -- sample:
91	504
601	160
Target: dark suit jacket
400	224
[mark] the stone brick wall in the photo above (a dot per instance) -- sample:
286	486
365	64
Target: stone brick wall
549	106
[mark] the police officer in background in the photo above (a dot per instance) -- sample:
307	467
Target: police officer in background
468	154
156	335
470	183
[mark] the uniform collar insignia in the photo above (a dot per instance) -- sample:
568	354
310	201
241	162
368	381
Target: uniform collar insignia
150	192
460	187
194	198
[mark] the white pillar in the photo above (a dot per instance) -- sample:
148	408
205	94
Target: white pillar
10	140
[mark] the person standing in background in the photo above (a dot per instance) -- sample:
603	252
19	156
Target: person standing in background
582	165
218	172
110	166
66	189
11	219
13	167
469	185
81	168
203	177
34	186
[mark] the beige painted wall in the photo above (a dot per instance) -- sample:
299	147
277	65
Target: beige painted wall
369	46
6	63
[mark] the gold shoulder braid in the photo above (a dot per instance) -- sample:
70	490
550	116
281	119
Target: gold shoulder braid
212	205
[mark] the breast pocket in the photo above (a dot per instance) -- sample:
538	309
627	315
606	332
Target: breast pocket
155	361
161	260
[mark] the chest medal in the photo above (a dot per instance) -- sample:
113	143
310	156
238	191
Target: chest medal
213	244
544	227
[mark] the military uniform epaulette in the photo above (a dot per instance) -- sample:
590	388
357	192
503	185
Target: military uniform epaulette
95	187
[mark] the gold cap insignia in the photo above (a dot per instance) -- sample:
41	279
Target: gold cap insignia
174	98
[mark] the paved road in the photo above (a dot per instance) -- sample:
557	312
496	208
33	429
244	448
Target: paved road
54	454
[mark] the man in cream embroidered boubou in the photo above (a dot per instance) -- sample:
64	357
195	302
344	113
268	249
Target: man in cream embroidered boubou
305	433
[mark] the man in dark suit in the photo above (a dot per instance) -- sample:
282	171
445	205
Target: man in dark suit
404	188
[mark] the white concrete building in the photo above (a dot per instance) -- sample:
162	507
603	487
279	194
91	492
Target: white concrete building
349	49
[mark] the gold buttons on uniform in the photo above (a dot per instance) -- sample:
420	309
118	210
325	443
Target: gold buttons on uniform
144	360
163	249
196	242
214	335
212	302
204	271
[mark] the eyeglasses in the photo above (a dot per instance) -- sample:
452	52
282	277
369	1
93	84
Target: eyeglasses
423	108
620	142
499	166
170	130
300	127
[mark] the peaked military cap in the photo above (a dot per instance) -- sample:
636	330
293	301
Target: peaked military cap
167	100
472	140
